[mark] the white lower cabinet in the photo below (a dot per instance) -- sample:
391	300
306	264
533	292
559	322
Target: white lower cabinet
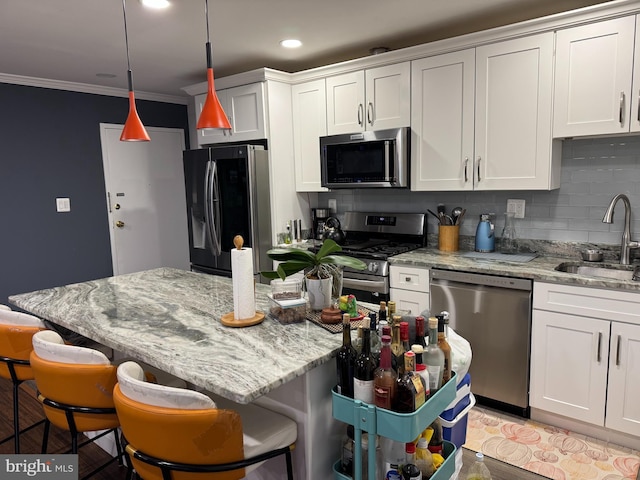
409	288
585	349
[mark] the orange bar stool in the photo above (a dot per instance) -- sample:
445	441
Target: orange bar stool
179	434
75	387
16	331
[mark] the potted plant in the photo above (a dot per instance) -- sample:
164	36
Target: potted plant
322	270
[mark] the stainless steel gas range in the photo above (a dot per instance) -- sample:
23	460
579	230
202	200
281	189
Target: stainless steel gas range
373	238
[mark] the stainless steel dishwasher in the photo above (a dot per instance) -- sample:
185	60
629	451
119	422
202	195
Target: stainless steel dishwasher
494	314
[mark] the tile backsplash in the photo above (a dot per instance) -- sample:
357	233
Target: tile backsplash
594	170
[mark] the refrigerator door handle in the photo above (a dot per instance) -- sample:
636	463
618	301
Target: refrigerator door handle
209	186
215	225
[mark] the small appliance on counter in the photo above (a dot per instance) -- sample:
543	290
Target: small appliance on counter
485	237
319	218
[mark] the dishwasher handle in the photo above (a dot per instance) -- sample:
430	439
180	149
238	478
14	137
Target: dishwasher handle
475	279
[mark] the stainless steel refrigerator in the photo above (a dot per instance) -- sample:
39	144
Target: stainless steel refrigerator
227	195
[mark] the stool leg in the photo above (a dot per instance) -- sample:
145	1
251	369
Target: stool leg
16	418
289	465
45	435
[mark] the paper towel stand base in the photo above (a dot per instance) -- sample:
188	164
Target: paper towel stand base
229	320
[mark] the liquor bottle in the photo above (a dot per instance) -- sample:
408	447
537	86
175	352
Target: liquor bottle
396	347
404	336
433	357
376	345
364	368
410	471
385	378
421	369
410	387
435	444
382	312
446	349
345	359
391	309
478	470
420	332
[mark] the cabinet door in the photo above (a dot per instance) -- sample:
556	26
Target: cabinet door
246	112
345	103
442	123
623	407
408	301
387	97
634	117
309	124
593	78
569	357
514	85
208	136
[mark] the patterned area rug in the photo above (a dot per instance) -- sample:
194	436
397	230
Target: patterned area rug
548	451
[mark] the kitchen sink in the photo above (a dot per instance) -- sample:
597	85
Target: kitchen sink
606	270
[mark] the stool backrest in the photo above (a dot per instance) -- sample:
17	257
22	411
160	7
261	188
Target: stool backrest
16	332
185	434
88	382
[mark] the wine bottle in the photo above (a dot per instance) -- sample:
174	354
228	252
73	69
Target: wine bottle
445	347
404	336
357	343
410	387
421	369
433	357
364	368
396	347
382	312
419	339
345	359
375	338
391	309
385	378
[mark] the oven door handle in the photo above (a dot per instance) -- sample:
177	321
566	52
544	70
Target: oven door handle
379	286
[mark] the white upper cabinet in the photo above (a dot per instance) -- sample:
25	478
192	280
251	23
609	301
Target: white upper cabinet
514	97
244	106
594	74
309	103
442	122
481	118
374	99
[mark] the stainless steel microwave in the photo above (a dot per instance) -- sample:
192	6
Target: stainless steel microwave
366	160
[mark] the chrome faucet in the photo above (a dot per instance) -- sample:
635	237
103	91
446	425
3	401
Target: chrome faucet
626	244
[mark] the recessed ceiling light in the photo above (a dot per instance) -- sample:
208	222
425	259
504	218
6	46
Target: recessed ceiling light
291	43
155	3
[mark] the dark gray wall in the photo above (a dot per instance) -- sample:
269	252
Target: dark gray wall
50	147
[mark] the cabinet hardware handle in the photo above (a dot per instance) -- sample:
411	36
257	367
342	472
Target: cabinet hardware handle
618	351
466	165
621	117
109	200
599	346
407	279
478	168
639	105
360	114
370	113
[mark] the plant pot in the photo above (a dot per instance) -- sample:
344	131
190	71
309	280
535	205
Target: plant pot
319	291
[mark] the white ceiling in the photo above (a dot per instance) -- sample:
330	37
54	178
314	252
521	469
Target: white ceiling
73	40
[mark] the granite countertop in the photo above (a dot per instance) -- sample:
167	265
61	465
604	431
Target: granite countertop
170	319
541	268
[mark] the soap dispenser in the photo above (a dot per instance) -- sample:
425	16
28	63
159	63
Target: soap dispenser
485	238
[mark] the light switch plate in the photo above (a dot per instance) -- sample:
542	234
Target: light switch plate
516	206
63	205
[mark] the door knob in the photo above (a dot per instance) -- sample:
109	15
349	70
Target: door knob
119	224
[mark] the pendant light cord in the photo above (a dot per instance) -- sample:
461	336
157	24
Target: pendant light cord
126	35
206	14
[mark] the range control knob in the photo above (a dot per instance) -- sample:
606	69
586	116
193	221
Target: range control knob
373	267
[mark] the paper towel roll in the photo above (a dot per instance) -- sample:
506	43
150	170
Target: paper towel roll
244	301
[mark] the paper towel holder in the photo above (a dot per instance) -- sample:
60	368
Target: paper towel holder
228	319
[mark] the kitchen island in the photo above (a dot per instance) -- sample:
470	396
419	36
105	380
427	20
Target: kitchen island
170	319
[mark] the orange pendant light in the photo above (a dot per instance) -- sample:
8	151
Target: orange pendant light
133	130
212	115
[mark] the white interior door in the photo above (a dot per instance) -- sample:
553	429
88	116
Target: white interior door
146	199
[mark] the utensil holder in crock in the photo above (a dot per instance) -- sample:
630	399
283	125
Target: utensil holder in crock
448	237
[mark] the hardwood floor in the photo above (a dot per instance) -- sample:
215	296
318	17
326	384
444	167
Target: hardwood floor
91	456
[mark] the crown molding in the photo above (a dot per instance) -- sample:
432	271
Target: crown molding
88	88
